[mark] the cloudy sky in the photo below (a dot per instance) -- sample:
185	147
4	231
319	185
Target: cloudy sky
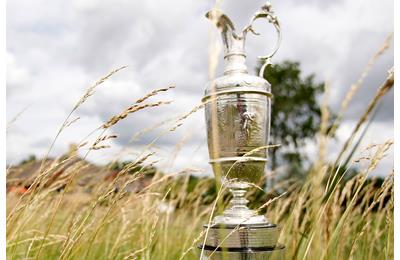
56	49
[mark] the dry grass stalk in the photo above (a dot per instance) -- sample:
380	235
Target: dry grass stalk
382	90
153	93
140	133
137	107
69	123
90	91
115	119
186	115
15	118
266	204
96	146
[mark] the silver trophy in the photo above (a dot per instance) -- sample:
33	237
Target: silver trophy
238	112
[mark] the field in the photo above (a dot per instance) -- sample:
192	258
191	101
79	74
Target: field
329	215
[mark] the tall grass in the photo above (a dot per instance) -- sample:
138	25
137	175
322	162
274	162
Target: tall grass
322	218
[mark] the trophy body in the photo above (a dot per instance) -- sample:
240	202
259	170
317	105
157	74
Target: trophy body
237	110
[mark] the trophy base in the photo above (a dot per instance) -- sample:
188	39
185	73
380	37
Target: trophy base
243	241
247	254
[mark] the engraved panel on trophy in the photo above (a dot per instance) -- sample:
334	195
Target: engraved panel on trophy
241	124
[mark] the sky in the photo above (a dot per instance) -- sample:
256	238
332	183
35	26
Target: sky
57	49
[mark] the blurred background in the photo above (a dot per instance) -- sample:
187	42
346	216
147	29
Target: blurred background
57	49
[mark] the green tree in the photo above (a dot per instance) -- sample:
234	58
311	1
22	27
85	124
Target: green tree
31	158
295	116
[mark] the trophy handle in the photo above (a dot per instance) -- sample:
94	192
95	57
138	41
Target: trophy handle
267	13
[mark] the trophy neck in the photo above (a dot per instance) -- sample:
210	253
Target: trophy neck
234	63
235	57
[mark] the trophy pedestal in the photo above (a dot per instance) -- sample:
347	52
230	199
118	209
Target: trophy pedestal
240	233
242	241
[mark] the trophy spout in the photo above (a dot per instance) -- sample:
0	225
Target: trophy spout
234	54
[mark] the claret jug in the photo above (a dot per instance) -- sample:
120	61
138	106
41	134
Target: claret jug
237	111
